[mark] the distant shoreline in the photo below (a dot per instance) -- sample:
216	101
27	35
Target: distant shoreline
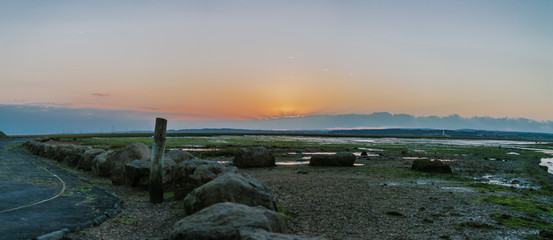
365	133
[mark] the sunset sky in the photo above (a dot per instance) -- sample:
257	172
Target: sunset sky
239	60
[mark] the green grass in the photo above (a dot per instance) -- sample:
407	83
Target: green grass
521	205
124	220
281	209
516	222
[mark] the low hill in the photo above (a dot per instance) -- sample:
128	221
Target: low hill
2	135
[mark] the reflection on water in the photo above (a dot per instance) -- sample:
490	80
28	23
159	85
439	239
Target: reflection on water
287	163
200	149
413	158
371	149
506	182
358	154
548	162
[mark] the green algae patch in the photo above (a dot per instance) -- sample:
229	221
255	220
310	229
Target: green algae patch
281	209
521	205
517	222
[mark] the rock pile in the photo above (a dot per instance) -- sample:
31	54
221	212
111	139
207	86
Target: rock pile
129	166
219	202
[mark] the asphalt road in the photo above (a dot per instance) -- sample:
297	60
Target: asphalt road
38	198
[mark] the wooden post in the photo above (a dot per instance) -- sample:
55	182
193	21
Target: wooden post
156	170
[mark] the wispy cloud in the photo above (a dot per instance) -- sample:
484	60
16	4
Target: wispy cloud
101	94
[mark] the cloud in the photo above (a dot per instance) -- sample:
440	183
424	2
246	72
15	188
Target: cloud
39	119
101	94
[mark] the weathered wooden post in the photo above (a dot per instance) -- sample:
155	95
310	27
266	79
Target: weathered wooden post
156	170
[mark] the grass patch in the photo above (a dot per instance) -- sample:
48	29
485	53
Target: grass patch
124	220
515	222
490	187
229	152
280	208
168	195
521	205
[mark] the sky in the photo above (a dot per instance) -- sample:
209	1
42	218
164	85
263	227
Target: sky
215	61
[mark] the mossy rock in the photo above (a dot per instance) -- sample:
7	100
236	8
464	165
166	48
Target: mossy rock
336	160
2	135
433	166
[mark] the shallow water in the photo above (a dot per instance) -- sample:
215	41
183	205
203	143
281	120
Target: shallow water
548	162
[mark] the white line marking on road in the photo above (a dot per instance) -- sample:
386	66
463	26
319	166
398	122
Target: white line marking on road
42	201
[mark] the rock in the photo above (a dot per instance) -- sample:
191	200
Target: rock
88	156
249	233
224	221
37	148
116	161
75	154
99	164
546	234
194	173
2	135
59	153
395	214
137	173
169	168
178	156
42	140
427	165
49	151
341	159
301	172
364	153
230	187
254	157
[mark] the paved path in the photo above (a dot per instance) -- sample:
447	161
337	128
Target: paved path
38	198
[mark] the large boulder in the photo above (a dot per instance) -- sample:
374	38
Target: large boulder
138	173
248	233
178	156
254	157
224	221
99	164
194	173
230	187
2	135
334	160
86	161
37	147
75	154
433	166
116	161
49	151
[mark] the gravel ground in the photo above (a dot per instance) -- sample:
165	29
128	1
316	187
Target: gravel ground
138	220
363	203
366	202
